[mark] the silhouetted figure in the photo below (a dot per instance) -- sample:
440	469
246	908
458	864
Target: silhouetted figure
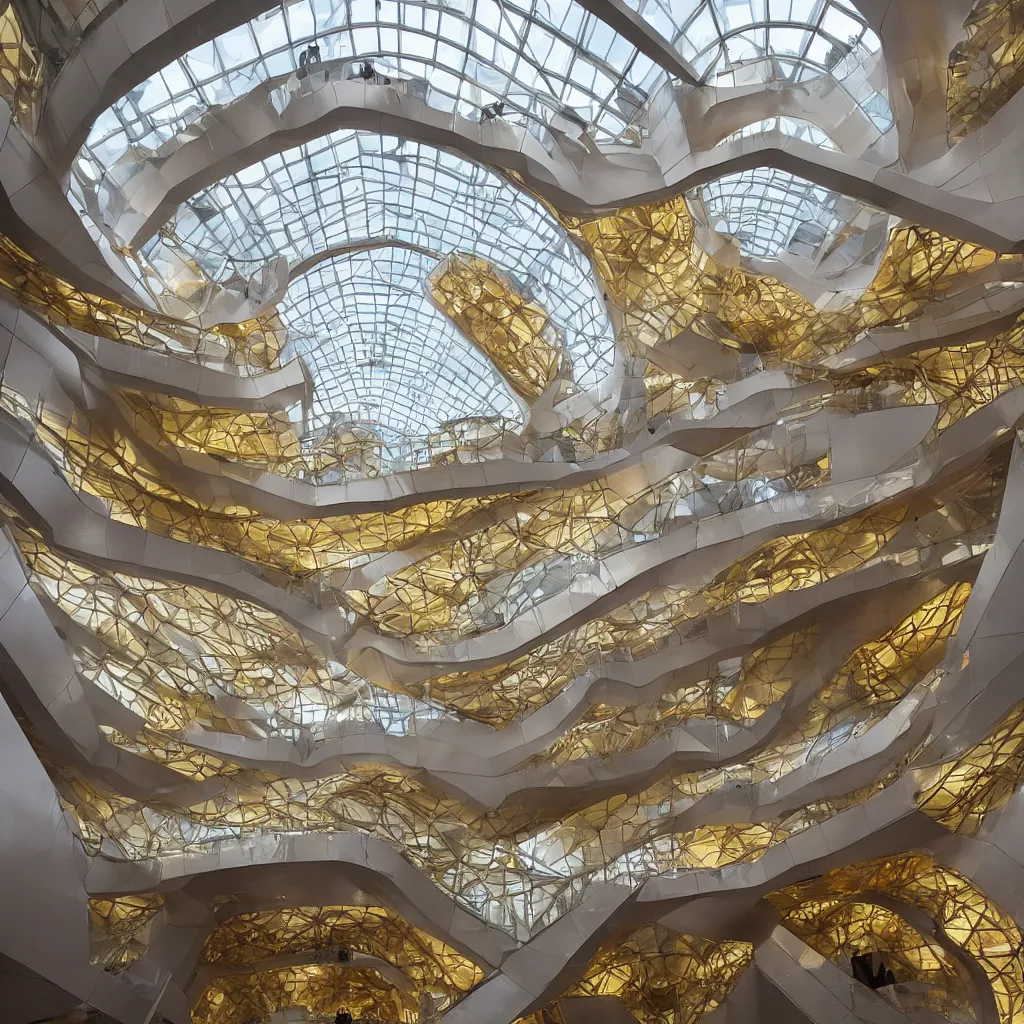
493	110
310	55
860	964
865	971
368	73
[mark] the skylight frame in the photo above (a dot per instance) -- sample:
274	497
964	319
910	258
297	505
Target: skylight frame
403	372
816	21
179	93
378	187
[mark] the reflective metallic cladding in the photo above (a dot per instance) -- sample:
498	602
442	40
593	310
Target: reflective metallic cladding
511	512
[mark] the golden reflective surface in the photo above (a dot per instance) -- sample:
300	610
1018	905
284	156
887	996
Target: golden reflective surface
254	344
113	469
266	441
164	650
880	672
664	284
765	677
958	379
247	939
960	793
21	68
319	988
119	929
842	928
963	914
684	650
661	976
987	68
643	625
179	656
516	334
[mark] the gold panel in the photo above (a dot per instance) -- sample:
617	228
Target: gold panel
662	977
806	559
765	677
180	656
195	764
118	929
664	284
442	590
114	824
320	988
254	344
143	629
615	838
870	682
880	672
840	928
237	643
959	379
651	267
964	914
987	69
432	594
267	442
464	588
622	826
398	806
113	469
643	625
517	335
21	69
250	653
264	440
959	793
716	846
670	393
246	939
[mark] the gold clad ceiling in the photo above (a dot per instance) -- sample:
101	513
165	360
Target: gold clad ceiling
694	614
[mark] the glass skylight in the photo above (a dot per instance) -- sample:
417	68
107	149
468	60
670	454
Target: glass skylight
807	36
545	60
792	126
789	40
768	212
379	352
375	345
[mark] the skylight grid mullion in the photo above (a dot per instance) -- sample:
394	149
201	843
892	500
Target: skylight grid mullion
431	188
473	29
219	54
404	317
